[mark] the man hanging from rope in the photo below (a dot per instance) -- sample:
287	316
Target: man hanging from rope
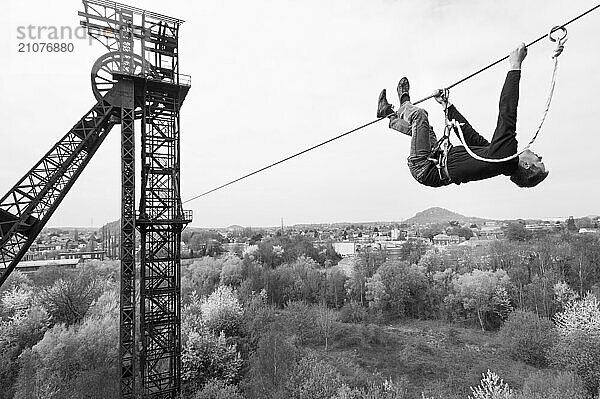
456	165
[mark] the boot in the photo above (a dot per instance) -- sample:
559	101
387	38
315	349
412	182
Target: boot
383	107
403	89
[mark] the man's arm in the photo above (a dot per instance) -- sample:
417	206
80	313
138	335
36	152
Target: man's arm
471	136
504	142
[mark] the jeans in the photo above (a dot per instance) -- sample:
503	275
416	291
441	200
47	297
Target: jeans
413	121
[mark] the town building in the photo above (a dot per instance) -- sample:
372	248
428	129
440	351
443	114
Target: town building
34	265
445	239
345	248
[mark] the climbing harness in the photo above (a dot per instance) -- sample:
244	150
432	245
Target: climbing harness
439	153
451	124
560	46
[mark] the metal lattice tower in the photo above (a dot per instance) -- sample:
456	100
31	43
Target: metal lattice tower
144	57
136	83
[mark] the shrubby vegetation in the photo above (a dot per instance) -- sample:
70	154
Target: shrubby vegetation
578	347
73	359
58	334
552	385
221	312
526	336
206	357
492	387
283	321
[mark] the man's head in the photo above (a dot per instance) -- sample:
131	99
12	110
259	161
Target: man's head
531	170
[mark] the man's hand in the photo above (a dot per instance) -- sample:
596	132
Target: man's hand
517	56
439	96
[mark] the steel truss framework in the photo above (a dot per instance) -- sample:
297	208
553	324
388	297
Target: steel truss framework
138	79
127	294
26	208
160	222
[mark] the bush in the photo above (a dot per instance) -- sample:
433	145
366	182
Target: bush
312	378
578	347
492	387
204	275
216	389
232	272
21	331
205	357
222	311
15	279
297	281
482	294
15	300
580	316
552	385
526	336
335	292
46	276
25	329
68	300
191	316
301	319
397	288
78	361
348	335
374	335
254	279
279	284
259	321
387	390
564	294
271	365
9	370
580	352
352	312
326	320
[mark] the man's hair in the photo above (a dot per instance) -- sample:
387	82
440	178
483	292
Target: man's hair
528	177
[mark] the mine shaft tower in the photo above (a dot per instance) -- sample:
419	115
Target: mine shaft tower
137	83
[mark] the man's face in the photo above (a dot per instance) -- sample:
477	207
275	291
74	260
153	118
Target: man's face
530	158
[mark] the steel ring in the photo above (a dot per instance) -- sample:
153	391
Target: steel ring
556	29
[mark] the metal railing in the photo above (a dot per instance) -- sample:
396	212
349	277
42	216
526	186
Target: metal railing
185	80
167	216
135	10
187	215
181	79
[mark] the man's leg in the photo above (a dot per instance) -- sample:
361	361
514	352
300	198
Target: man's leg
399	124
504	143
412	121
422	139
422	136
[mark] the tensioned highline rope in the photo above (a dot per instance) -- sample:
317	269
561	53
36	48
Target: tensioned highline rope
379	119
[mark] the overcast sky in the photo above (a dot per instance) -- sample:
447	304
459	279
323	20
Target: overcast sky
272	77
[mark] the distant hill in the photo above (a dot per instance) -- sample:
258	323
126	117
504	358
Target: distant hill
440	215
